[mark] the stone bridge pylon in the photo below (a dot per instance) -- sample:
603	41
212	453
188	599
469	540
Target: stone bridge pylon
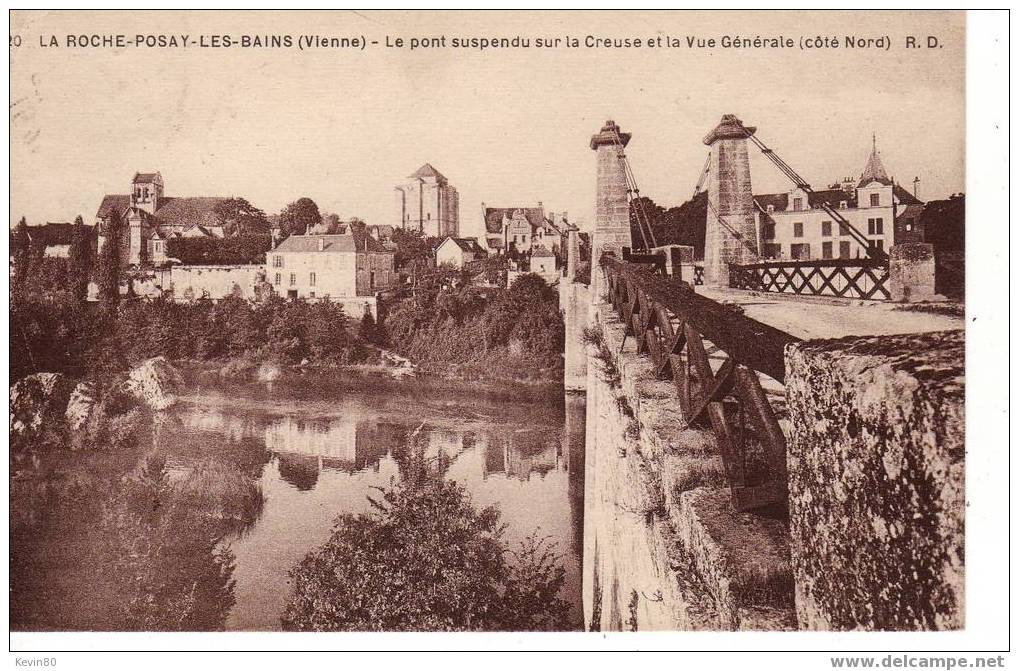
731	231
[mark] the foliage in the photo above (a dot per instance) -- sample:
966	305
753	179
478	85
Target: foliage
240	249
20	254
516	333
681	225
425	560
412	247
298	216
108	272
55	333
79	262
241	218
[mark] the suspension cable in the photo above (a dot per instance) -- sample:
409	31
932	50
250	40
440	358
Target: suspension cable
633	193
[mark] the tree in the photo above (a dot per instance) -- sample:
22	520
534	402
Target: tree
411	246
239	217
298	216
425	560
80	260
22	253
108	274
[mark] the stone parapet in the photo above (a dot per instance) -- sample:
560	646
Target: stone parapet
664	550
876	486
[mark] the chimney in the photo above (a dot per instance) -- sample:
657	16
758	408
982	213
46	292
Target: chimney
321	244
916	187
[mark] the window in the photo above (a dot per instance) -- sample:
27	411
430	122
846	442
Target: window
826	229
798	229
371	280
843	204
277	279
875	226
843	229
772	250
800	250
875	199
311	279
797	204
844	249
311	294
277	261
826	250
877	244
293	279
771	208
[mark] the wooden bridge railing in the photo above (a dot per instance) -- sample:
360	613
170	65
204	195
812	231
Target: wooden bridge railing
845	278
671	324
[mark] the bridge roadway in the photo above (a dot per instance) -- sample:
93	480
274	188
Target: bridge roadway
817	317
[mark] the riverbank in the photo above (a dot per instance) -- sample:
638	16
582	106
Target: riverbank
377	378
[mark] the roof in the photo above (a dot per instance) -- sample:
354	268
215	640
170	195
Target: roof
332	244
466	244
113	202
180	213
146	177
189	211
874	171
428	170
905	197
495	215
541	250
831	197
911	211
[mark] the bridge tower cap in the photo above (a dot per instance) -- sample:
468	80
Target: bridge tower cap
730	127
610	134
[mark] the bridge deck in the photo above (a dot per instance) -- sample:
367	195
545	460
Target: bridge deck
809	318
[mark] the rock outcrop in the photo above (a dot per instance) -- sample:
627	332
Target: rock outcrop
154	383
37	403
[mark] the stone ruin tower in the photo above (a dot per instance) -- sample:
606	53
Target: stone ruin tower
612	208
730	196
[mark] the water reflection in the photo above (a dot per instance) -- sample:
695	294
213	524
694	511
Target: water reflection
251	482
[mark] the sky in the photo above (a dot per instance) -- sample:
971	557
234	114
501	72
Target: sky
507	127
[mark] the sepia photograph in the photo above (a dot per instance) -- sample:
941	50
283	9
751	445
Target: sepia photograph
598	323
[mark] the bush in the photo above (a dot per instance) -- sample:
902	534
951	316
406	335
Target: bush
518	333
425	560
236	250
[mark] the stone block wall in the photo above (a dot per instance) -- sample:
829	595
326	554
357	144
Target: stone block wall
911	272
876	486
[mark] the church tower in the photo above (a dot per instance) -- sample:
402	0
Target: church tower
147	191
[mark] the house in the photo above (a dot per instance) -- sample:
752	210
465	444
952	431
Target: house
427	202
795	225
509	229
351	268
457	252
543	261
150	219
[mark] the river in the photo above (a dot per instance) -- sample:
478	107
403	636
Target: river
312	448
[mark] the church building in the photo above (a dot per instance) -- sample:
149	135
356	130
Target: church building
149	219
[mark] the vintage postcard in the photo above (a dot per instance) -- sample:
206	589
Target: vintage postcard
454	321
